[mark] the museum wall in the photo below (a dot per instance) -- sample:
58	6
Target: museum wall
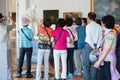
3	7
82	6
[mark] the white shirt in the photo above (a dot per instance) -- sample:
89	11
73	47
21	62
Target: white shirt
4	34
93	34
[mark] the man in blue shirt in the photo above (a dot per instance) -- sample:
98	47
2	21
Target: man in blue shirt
25	47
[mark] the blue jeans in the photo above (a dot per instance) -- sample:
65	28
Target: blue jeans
28	52
70	68
86	64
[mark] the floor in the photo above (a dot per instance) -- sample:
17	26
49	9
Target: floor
51	71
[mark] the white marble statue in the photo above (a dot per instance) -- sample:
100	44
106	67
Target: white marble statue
32	16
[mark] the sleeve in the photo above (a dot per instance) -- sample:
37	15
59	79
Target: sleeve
67	34
50	32
74	32
109	39
88	30
98	37
9	28
53	34
32	35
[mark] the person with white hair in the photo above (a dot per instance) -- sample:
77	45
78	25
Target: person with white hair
25	47
5	60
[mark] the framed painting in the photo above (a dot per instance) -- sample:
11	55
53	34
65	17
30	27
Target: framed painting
51	14
72	15
105	7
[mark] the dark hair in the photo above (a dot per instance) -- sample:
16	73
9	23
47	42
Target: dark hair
47	22
84	20
60	22
69	22
98	21
78	21
109	21
92	15
1	16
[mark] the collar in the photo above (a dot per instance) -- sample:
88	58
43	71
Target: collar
59	27
107	31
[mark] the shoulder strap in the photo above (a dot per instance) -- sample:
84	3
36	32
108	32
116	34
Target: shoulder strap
71	33
47	32
58	37
25	35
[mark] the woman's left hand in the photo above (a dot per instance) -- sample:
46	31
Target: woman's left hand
97	64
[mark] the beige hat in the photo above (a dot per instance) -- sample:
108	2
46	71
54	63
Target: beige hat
25	21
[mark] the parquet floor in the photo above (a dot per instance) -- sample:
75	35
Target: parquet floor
51	70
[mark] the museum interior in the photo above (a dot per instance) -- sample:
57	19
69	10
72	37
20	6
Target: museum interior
36	10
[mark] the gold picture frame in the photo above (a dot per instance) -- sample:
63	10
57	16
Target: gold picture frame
92	5
72	15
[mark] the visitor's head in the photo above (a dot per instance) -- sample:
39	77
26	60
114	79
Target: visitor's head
69	21
25	21
47	22
78	21
91	17
108	22
60	22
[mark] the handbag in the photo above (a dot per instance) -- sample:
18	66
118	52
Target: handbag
43	46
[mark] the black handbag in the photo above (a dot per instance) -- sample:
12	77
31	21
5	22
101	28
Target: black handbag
43	46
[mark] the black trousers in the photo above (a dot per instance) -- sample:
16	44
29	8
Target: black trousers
104	72
70	65
118	60
28	52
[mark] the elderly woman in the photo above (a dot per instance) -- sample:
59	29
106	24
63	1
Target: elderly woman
44	34
60	37
107	58
25	48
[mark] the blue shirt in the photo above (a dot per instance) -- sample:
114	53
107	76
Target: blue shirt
81	36
23	41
